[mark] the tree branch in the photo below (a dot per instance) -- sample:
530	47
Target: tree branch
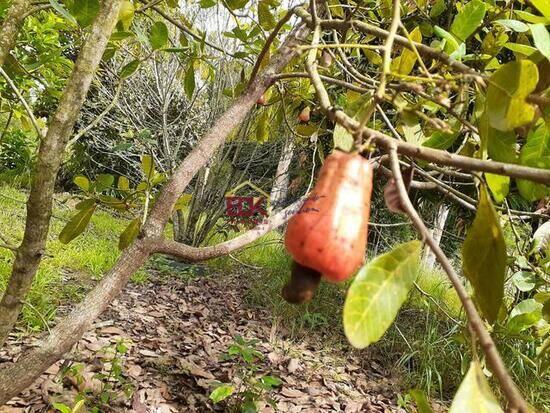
195	254
494	360
420	152
50	155
10	27
39	131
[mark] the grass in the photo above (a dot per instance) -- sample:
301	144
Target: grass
67	271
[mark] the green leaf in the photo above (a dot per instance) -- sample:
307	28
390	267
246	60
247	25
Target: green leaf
439	7
524	315
440	140
404	63
541	38
377	293
63	408
58	7
76	225
221	393
123	183
104	181
235	4
148	166
543	6
158	35
484	257
500	145
531	18
474	394
129	234
421	401
265	18
524	280
514	25
189	82
85	204
546	311
85	11
451	44
508	88
521	48
535	153
82	182
468	19
129	69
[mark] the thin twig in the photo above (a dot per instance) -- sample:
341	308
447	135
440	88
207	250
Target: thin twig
23	102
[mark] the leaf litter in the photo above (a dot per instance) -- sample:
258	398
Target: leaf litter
176	331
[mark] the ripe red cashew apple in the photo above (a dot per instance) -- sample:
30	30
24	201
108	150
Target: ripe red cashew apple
329	232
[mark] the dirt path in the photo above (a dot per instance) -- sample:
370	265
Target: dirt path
175	333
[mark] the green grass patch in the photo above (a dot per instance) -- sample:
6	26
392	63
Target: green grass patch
67	271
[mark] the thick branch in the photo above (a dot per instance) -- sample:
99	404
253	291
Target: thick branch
10	27
50	155
421	152
195	254
494	360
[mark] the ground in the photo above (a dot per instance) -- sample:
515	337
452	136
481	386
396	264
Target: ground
175	332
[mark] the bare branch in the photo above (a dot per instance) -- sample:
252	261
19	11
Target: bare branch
39	131
194	254
495	362
421	152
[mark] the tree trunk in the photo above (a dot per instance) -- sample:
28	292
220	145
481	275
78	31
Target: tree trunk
280	185
437	233
15	377
10	27
50	155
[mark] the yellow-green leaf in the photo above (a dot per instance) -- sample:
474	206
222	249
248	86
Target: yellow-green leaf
474	394
484	257
189	82
82	182
76	225
404	63
378	292
543	6
123	183
262	128
342	138
499	186
508	88
129	234
148	166
468	19
265	17
126	14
